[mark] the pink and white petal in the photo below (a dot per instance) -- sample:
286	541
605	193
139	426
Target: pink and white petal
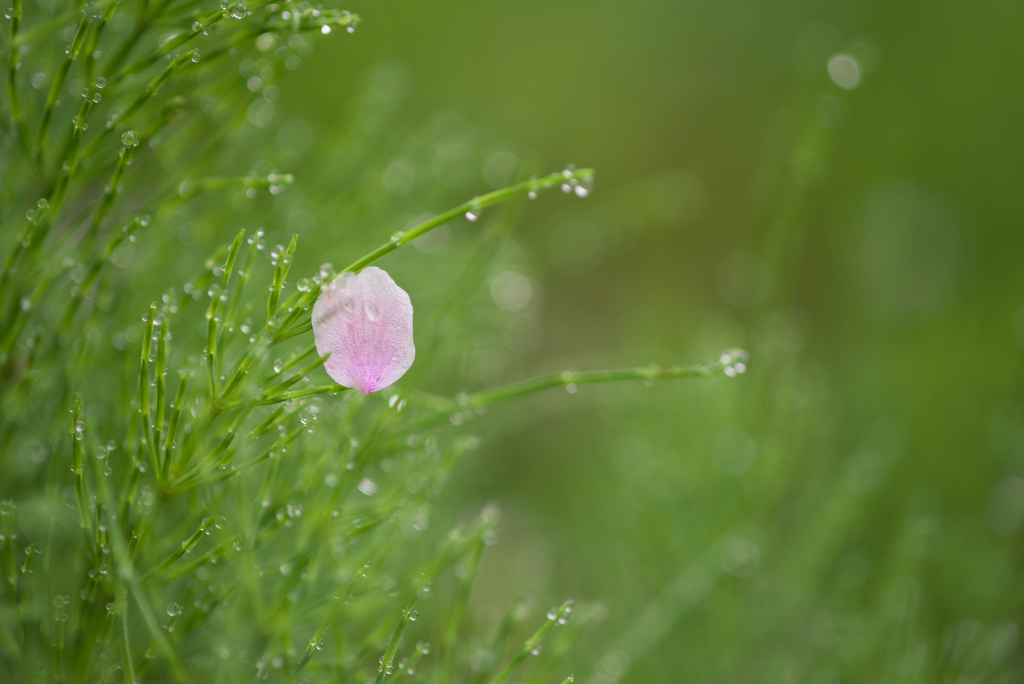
365	321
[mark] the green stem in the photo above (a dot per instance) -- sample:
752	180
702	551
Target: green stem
231	316
32	235
187	568
266	423
123	610
58	83
410	666
13	61
124	573
96	267
186	547
571	379
42	218
512	618
192	479
147	431
179	402
213	363
294	394
78	465
282	387
48	27
283	263
160	376
89	59
152	87
470	570
130	139
176	42
396	638
552	619
311	648
470	208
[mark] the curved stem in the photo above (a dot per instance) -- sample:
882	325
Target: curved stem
471	210
570	379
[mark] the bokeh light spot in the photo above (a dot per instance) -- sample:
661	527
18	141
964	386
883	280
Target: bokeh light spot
844	71
511	291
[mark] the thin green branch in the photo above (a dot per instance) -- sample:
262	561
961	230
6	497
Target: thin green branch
181	61
13	62
147	429
282	264
471	568
180	569
47	27
409	667
471	210
78	466
730	363
89	59
499	643
194	479
553	618
172	428
130	139
312	647
92	275
396	639
160	377
58	83
213	316
186	547
572	379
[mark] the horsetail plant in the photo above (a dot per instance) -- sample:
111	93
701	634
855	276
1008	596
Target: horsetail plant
251	515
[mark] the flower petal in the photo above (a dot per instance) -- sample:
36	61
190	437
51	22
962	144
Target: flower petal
365	321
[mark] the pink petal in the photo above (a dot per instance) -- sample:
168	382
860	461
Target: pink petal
365	321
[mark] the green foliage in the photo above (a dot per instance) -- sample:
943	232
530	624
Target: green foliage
197	501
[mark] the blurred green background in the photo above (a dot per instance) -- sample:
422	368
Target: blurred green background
852	508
